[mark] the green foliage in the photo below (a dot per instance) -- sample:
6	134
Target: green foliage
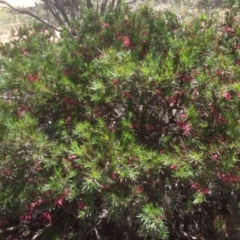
131	128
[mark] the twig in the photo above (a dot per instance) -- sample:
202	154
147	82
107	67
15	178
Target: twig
9	229
97	234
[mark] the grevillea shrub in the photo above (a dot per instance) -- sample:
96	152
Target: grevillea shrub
128	130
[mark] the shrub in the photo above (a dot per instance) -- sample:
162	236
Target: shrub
131	129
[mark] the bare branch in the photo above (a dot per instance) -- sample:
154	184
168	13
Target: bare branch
22	11
96	232
50	6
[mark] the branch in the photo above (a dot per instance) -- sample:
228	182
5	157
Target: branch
131	2
21	11
97	234
51	8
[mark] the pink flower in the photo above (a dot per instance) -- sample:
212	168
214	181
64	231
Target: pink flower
72	157
39	201
227	30
194	185
173	167
215	157
126	42
205	190
185	127
46	216
25	218
59	201
105	24
226	96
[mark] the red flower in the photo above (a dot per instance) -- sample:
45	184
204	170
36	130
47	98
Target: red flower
114	82
70	101
237	61
81	204
67	72
127	94
68	120
139	189
219	73
149	127
25	52
22	110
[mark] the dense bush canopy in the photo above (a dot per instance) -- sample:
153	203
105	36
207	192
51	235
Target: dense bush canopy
130	130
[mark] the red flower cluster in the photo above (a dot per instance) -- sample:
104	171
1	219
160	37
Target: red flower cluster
67	72
134	126
33	78
217	116
150	127
200	189
97	111
228	177
30	210
22	110
70	101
